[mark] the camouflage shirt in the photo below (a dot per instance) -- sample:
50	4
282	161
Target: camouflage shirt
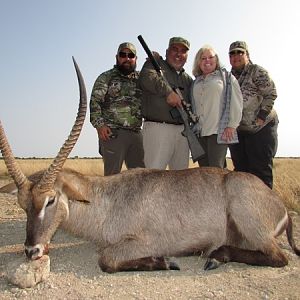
116	101
259	94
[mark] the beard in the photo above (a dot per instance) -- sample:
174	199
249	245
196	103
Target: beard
126	68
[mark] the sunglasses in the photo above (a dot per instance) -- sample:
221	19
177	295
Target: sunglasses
237	52
125	54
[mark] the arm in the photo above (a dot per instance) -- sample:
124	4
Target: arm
236	104
267	90
97	99
152	82
235	113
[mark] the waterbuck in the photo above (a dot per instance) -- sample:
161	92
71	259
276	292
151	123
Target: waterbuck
141	216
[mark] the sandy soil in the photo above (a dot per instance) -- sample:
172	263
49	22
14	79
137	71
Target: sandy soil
75	273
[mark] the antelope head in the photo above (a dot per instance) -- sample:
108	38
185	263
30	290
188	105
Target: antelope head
45	205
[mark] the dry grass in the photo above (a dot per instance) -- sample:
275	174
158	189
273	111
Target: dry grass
287	182
93	166
286	174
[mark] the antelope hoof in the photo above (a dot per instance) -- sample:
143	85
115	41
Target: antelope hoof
211	264
173	266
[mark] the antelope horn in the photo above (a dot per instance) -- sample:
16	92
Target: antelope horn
49	177
13	168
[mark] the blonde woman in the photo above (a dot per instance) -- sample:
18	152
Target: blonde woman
218	102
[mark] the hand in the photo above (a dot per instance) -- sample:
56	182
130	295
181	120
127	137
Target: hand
228	134
174	100
259	122
104	133
155	54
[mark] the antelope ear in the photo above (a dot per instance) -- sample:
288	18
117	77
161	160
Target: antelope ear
73	193
10	188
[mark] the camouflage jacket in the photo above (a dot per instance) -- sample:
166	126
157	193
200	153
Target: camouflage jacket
116	101
259	94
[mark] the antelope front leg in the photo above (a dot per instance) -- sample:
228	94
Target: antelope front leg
149	263
124	257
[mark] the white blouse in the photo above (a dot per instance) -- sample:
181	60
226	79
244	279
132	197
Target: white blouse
208	93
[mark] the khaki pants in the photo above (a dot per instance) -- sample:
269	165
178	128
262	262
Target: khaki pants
165	146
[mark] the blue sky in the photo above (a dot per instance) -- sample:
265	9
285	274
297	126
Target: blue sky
39	92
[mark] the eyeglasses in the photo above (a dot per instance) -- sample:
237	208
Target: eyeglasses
237	52
126	54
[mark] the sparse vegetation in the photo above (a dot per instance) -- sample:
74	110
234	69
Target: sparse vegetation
286	173
287	182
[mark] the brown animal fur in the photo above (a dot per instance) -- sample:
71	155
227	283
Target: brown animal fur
142	214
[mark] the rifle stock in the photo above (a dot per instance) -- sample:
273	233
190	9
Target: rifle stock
196	149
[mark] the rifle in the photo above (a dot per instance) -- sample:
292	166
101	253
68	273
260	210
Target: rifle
185	111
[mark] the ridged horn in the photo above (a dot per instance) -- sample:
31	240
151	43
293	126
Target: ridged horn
12	166
49	177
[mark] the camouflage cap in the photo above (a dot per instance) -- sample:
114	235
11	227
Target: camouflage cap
238	46
127	45
179	40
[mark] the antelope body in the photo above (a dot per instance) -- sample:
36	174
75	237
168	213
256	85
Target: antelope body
141	216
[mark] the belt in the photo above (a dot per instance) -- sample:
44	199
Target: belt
162	122
137	130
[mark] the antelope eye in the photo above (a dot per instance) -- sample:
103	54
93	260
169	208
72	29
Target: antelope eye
50	201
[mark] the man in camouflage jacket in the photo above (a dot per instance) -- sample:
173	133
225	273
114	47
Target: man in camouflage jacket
115	112
257	131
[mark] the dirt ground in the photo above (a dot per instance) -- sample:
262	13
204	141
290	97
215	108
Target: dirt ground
75	273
